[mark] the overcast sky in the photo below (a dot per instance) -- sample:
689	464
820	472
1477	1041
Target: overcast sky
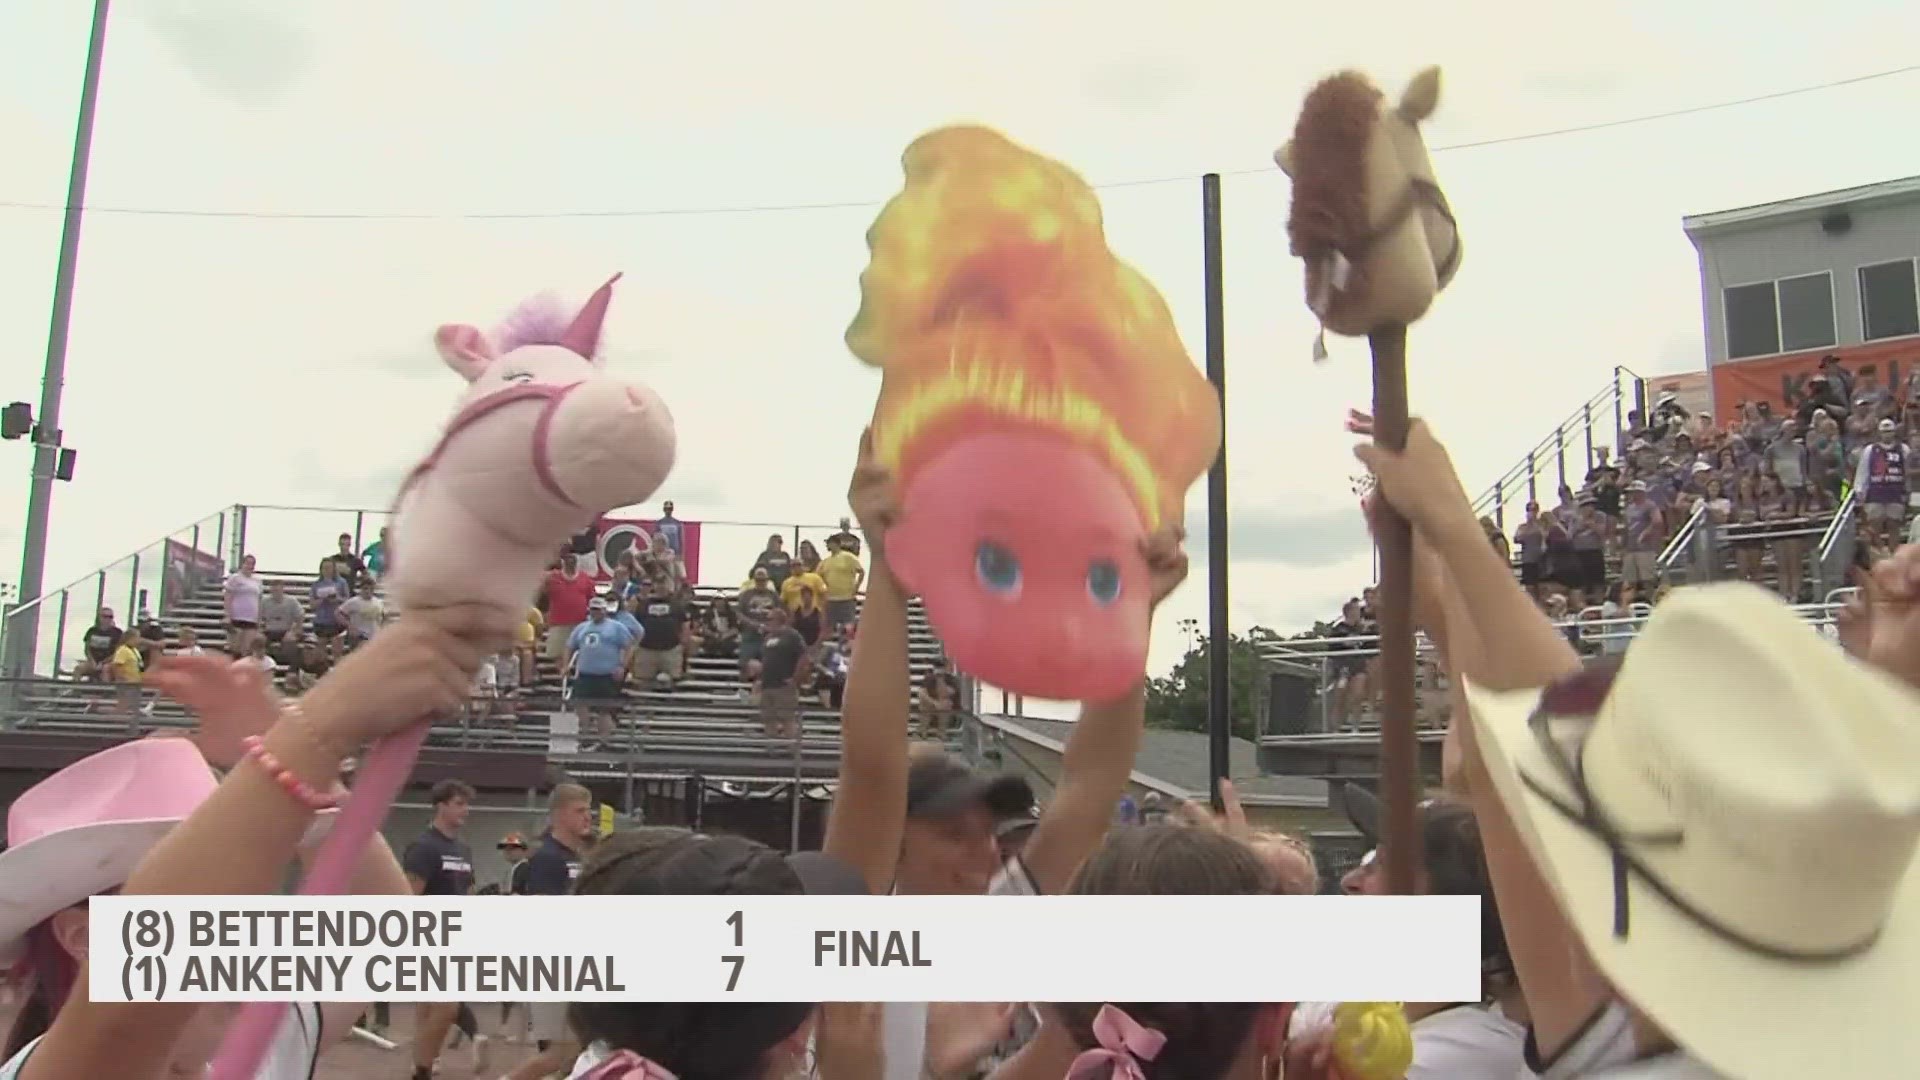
282	358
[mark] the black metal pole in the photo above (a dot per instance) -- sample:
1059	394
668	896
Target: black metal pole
24	642
1219	638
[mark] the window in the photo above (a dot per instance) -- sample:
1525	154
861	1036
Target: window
1889	303
1788	315
1806	312
1753	323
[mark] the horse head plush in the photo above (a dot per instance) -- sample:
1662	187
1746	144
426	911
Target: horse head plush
544	442
1375	229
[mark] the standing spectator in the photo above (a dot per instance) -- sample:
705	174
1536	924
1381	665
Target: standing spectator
783	662
552	870
755	607
585	549
1645	537
125	671
628	614
1588	537
621	586
1787	456
283	620
662	561
660	658
348	565
1826	458
567	591
803	575
809	619
98	645
329	591
843	575
1531	539
1784	507
439	863
1563	565
1821	395
939	700
846	539
513	848
1841	378
526	645
1884	484
668	528
376	556
364	615
775	561
241	595
597	655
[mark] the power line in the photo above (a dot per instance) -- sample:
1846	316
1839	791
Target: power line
855	204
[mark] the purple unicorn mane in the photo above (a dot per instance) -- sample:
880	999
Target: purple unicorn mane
539	320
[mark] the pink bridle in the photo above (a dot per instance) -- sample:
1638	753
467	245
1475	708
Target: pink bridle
553	394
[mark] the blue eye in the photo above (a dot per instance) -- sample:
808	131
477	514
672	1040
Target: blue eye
996	567
1103	582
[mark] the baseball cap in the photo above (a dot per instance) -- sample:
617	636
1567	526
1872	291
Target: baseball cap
598	603
938	785
512	839
1449	849
1888	425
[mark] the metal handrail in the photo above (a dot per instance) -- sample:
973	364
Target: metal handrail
47	594
1682	538
1493	498
387	511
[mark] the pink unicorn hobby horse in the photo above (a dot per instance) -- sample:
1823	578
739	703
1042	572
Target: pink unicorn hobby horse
543	443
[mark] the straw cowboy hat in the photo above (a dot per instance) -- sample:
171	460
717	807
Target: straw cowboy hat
1758	898
82	830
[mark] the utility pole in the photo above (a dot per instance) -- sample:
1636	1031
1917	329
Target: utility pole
23	642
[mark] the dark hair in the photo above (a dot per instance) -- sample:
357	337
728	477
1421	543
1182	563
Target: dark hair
447	791
694	1040
1203	1039
46	976
1456	865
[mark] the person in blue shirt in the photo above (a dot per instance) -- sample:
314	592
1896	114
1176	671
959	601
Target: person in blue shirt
597	654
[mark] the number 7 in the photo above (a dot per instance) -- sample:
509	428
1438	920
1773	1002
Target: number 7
738	962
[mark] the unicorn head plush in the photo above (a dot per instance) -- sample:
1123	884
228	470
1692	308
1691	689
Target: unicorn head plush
544	442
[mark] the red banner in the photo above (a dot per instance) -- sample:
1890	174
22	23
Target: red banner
1782	380
621	535
187	569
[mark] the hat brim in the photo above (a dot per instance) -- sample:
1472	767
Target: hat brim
49	874
1363	811
1705	992
821	874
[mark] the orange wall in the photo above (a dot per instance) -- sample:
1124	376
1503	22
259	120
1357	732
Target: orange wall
1782	380
1692	390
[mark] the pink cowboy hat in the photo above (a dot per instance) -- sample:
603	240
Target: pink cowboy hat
82	830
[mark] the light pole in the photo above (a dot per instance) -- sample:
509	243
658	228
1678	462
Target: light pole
24	642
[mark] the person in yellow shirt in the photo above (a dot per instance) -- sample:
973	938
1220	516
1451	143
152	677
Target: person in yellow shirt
843	575
526	644
124	670
805	575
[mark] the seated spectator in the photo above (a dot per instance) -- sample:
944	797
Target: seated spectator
186	643
97	647
526	645
257	656
283	619
775	561
364	615
241	597
349	566
830	670
328	592
938	700
843	575
719	630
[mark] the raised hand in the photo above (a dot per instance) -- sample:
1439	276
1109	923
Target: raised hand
871	497
419	666
1881	622
847	1042
1166	560
960	1033
1419	481
230	700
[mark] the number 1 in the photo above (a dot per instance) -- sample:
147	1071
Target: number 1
738	962
739	930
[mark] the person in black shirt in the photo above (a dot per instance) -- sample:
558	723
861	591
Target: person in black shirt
782	661
99	643
350	566
775	561
1348	672
551	871
660	658
845	539
439	864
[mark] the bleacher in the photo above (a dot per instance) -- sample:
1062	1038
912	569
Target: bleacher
707	725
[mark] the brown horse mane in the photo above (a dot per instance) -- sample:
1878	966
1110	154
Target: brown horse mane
1329	166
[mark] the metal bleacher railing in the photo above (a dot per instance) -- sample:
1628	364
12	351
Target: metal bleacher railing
1597	422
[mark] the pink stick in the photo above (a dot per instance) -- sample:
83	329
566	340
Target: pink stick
382	775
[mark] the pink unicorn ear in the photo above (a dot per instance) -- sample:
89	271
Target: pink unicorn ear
465	350
583	337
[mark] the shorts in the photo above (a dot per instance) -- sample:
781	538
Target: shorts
750	646
650	664
842	612
1885	513
778	704
548	1021
593	690
243	624
1640	568
328	631
556	639
1592	565
1530	572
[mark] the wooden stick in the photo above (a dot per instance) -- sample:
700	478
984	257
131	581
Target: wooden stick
1399	775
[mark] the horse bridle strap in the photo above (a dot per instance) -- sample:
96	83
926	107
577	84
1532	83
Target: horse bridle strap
1419	194
550	394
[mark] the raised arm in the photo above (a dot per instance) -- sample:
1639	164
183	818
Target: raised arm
1098	760
868	818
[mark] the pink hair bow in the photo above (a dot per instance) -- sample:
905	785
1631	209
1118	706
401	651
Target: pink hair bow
1124	1044
627	1065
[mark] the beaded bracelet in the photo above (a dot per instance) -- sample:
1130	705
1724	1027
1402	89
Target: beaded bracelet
299	790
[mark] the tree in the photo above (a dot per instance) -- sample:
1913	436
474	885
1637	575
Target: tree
1179	701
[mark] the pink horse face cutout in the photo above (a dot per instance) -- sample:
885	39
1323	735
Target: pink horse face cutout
597	441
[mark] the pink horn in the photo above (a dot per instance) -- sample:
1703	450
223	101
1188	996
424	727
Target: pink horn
583	336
